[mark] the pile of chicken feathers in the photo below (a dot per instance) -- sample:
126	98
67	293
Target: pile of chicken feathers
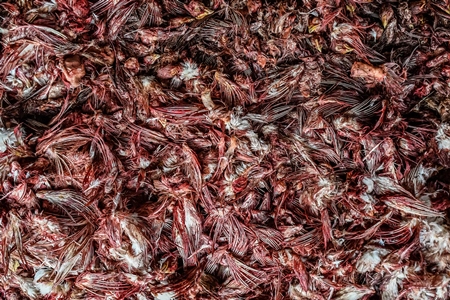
168	149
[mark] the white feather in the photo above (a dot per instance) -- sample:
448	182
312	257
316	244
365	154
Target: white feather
443	137
7	137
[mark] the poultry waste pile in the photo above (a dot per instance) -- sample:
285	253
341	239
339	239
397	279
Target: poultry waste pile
169	149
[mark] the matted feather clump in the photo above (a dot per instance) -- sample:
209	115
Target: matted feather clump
168	149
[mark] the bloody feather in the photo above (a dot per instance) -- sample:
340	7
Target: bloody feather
177	149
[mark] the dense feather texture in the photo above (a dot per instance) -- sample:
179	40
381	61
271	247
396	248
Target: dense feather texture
168	149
